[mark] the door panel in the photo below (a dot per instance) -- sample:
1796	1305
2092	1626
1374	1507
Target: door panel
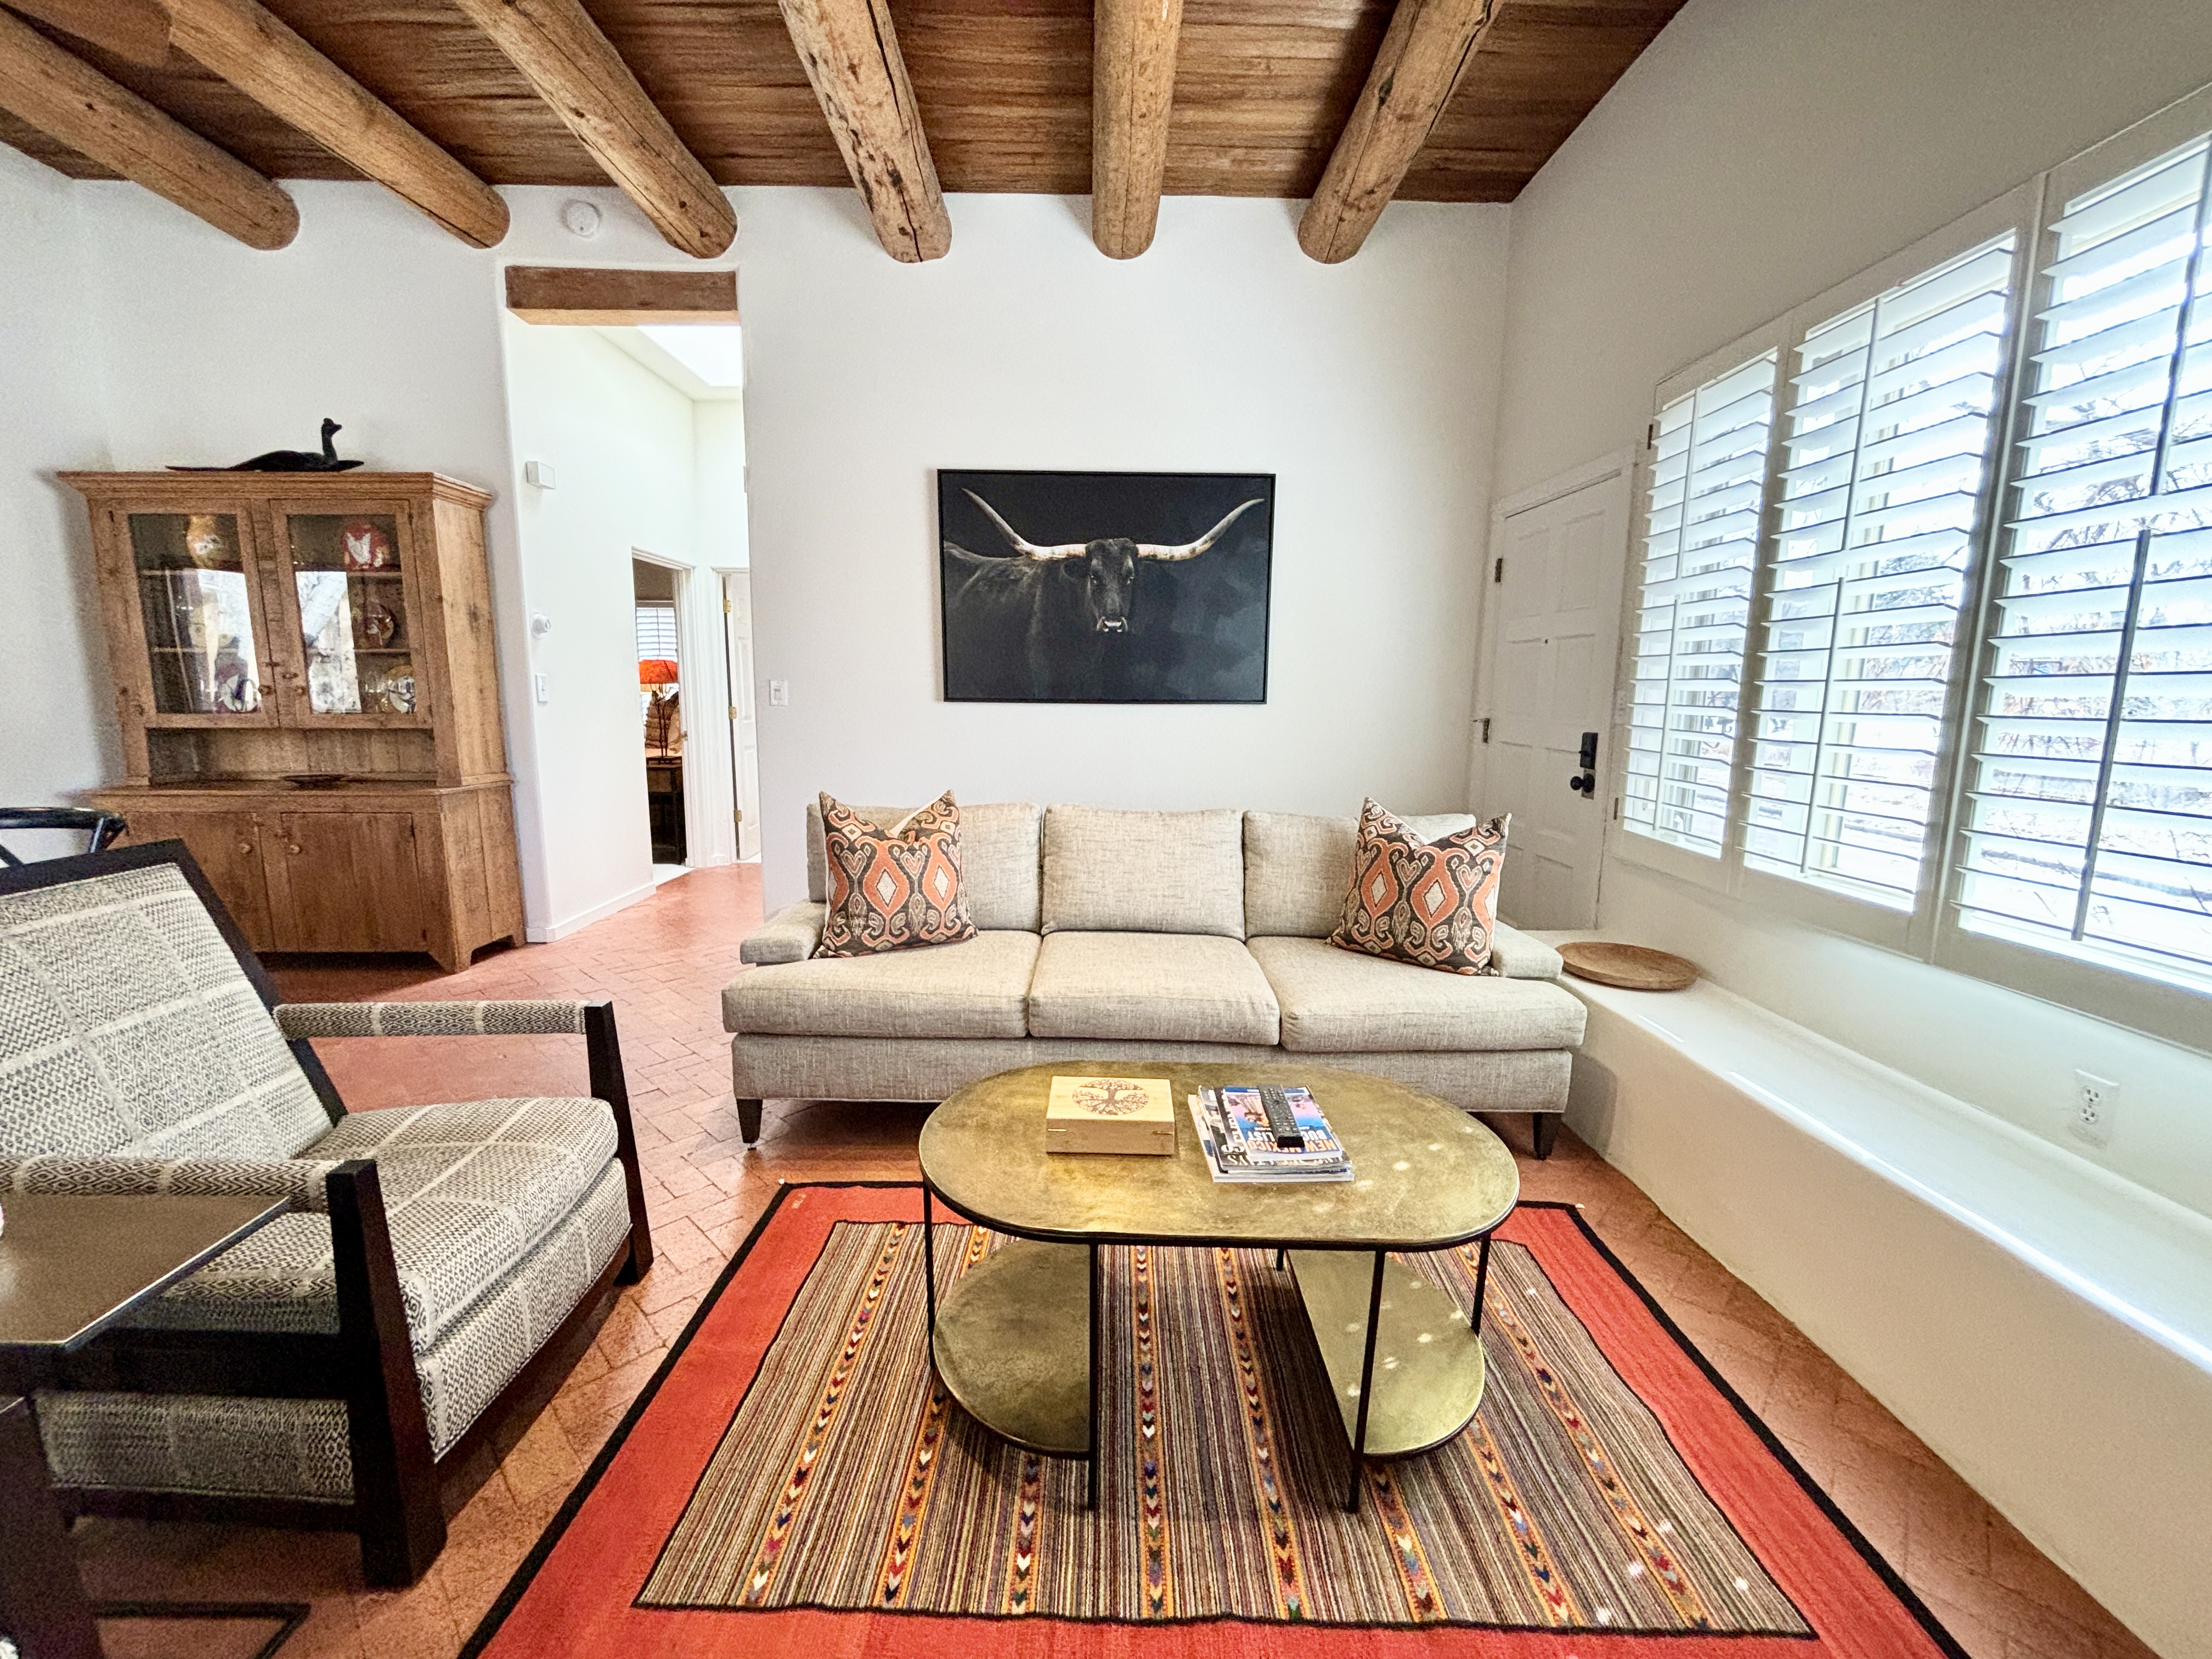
350	882
227	847
1553	622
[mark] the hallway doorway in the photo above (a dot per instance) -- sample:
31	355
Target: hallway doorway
655	590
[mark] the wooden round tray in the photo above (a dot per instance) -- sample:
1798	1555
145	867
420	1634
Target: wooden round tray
1632	966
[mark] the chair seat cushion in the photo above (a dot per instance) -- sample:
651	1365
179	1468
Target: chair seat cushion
1186	987
976	988
1337	1002
470	1190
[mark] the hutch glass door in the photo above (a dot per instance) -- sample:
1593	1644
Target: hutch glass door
196	598
354	631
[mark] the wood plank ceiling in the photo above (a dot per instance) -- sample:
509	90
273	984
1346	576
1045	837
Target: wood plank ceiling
1262	90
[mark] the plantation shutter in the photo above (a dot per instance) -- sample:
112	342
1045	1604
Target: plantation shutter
2089	819
656	632
1885	444
1700	538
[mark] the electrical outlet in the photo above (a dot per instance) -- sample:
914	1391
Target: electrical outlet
2095	1099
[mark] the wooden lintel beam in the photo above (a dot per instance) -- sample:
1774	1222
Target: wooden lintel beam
1132	67
851	56
1424	53
613	299
258	52
577	71
136	31
66	98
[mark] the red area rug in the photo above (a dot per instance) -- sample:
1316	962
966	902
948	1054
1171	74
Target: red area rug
796	1479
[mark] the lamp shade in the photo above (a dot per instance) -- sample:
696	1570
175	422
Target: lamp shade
656	670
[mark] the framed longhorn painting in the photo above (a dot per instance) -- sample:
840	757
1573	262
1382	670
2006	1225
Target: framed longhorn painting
1105	586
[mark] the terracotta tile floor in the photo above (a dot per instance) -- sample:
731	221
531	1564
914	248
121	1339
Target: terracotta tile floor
662	962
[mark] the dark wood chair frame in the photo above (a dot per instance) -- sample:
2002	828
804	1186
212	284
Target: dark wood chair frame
403	1496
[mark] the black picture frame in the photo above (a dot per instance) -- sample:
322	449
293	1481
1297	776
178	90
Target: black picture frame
1063	586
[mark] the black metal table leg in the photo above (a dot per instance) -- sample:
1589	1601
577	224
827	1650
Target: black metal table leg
1481	1285
1366	1387
42	1603
929	1271
1092	1501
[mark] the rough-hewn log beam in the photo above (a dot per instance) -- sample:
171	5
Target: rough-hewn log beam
851	56
68	100
1132	65
259	53
576	70
136	31
1425	49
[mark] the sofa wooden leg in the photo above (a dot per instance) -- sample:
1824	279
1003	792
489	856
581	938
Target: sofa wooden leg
1546	1128
749	1119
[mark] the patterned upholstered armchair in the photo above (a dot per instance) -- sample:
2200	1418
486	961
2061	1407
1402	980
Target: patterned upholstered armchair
362	1361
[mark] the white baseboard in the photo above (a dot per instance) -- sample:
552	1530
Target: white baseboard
584	919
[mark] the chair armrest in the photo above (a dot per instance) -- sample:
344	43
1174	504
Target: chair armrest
301	1180
790	935
1516	955
347	1019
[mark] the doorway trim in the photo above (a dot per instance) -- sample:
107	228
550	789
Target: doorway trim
709	790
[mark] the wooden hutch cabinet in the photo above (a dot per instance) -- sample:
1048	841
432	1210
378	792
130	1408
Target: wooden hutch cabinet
309	698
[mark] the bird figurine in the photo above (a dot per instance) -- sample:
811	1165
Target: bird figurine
289	460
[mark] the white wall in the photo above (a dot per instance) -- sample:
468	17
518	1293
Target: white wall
59	734
1759	153
619	440
1367	388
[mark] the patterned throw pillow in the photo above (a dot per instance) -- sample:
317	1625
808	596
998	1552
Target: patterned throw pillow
1433	904
890	889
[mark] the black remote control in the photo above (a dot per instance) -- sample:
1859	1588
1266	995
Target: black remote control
1282	1121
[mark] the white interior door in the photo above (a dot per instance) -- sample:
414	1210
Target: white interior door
745	744
1549	632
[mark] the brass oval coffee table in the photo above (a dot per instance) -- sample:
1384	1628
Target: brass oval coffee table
1015	1339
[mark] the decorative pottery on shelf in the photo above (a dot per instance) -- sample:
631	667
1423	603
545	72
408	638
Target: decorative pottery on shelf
377	624
364	546
205	544
1631	967
395	686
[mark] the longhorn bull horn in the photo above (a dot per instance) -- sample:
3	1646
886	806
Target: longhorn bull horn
1027	550
1192	549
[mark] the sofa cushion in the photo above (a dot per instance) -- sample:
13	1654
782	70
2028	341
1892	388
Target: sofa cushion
1113	872
896	888
977	988
470	1190
998	860
1339	1002
1298	866
1186	987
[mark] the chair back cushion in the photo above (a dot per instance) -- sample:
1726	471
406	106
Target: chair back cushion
998	860
1113	872
127	1026
1298	866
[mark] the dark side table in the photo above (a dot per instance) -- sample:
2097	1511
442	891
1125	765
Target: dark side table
70	1268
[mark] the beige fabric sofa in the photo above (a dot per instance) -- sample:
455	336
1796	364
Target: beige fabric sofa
1139	936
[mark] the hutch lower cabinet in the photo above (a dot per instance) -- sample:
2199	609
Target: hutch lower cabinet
307	688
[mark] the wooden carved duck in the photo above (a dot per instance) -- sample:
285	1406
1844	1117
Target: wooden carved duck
288	460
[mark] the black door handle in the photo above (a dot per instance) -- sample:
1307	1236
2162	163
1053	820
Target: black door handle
1584	783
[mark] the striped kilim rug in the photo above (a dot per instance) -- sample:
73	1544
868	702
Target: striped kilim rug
796	1478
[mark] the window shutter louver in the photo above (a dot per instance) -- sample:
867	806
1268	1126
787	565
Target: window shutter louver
1884	446
656	633
1701	536
2089	812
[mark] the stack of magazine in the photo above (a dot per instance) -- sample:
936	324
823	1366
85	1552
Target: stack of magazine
1232	1128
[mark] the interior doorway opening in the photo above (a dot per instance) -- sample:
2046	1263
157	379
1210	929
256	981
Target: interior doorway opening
655	591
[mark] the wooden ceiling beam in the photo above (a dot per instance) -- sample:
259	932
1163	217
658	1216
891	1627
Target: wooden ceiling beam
67	99
851	56
1424	53
1133	69
616	298
258	52
136	31
576	70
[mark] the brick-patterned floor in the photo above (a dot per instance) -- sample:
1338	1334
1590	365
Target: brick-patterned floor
664	962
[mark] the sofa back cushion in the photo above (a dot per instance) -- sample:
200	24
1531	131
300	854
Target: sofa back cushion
1115	872
1297	867
998	860
127	1026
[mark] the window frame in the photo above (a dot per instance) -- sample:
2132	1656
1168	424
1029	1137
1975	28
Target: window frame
1932	931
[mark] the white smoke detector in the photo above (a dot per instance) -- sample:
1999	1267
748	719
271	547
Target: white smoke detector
579	219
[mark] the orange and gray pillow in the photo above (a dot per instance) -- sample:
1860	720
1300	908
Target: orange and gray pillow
1433	904
892	889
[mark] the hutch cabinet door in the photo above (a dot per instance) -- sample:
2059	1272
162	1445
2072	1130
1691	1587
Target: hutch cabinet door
346	881
352	613
228	847
184	590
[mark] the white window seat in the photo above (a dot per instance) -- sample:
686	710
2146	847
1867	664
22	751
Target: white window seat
2045	1325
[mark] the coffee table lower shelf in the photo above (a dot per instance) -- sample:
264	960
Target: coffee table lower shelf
1012	1344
